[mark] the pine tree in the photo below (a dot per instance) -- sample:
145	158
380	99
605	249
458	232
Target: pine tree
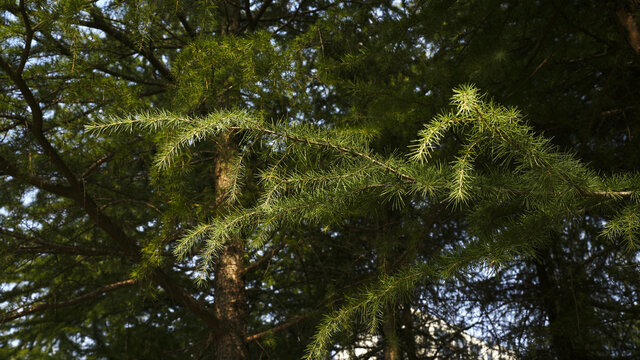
67	62
322	102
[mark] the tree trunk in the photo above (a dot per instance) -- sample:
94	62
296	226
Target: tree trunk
391	341
230	302
407	332
566	340
388	253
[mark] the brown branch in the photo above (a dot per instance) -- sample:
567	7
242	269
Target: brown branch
253	20
327	144
28	37
66	50
525	81
185	299
112	202
247	10
46	247
263	259
283	326
562	175
6	129
298	318
131	78
158	276
585	193
130	248
608	193
77	193
18	313
99	22
262	10
617	111
37	122
186	26
64	250
22	87
11	170
95	165
20	118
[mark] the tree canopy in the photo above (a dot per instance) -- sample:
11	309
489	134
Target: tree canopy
237	179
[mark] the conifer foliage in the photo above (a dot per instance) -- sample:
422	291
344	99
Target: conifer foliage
540	185
236	179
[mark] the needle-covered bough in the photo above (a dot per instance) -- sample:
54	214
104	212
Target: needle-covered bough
508	180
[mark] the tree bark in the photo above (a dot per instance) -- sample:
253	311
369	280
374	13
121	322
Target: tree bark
566	340
391	341
407	333
230	303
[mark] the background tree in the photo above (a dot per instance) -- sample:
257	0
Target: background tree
560	63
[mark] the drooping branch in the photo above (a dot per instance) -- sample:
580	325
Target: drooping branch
280	327
28	37
99	22
36	124
18	313
137	80
33	245
343	149
91	168
9	169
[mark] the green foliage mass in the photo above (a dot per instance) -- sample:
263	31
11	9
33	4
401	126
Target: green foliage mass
525	174
365	196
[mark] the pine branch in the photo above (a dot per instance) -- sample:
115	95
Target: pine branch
47	247
21	312
371	302
430	137
546	182
29	32
9	169
338	147
265	258
280	327
100	22
626	226
463	166
147	122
